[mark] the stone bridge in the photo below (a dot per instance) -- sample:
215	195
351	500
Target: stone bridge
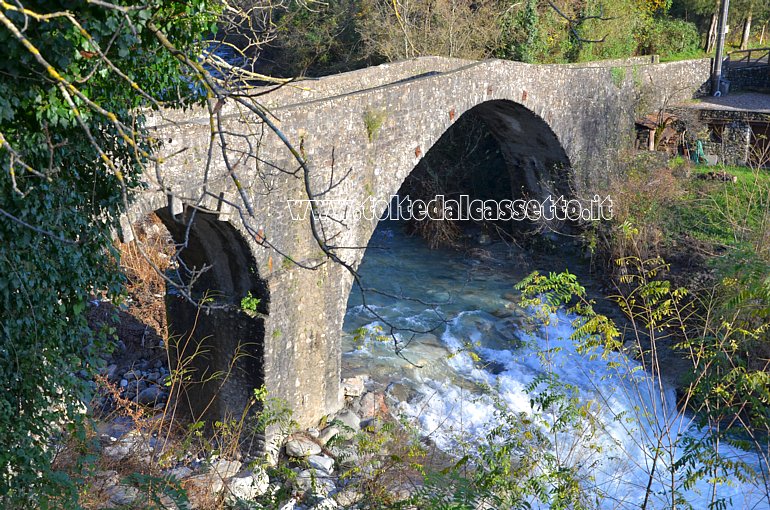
364	131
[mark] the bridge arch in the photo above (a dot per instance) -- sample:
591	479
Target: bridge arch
219	345
536	162
530	155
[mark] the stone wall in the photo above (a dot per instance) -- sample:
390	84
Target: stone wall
743	77
731	143
731	135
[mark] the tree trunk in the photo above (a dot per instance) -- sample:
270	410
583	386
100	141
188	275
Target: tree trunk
746	32
712	36
762	35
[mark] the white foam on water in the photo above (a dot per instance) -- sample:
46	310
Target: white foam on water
451	405
632	409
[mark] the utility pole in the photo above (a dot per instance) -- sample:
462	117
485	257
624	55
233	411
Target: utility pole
716	76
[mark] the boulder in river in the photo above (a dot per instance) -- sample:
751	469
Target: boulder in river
301	447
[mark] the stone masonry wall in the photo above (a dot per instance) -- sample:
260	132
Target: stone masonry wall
743	77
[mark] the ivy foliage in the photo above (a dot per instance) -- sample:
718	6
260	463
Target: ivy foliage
71	73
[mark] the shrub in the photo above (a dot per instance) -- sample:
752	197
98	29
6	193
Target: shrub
66	163
668	36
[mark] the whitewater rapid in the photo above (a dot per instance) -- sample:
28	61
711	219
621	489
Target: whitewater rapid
478	359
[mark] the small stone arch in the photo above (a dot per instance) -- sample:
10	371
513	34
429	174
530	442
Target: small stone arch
219	345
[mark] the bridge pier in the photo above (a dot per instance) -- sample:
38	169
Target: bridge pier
288	342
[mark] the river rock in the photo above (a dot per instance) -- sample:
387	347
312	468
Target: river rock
133	443
301	447
354	386
345	455
322	463
111	372
180	472
103	480
134	388
327	434
133	375
373	404
290	505
247	485
149	395
400	392
502	313
314	481
225	468
348	497
122	495
349	419
401	491
111	431
325	504
203	489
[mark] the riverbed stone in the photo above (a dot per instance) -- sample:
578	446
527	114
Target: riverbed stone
325	504
122	495
354	386
302	447
401	491
290	505
247	485
111	372
104	480
179	472
149	395
372	404
350	420
327	434
317	482
202	489
345	455
225	468
132	443
400	392
322	463
348	497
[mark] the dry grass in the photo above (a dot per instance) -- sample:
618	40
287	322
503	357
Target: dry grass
640	202
145	286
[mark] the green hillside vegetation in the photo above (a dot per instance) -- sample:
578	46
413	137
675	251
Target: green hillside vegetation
346	34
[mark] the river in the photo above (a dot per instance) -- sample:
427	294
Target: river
468	302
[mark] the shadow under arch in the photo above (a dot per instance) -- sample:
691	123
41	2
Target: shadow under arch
536	160
219	346
530	162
